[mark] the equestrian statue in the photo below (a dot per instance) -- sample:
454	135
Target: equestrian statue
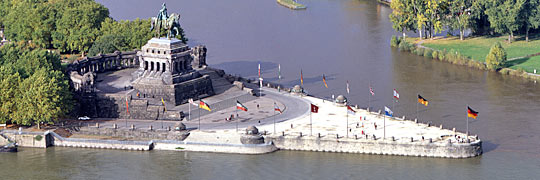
168	23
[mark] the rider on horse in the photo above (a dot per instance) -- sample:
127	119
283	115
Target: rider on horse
163	13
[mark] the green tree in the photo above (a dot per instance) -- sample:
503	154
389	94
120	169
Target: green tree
9	83
460	15
531	16
503	16
496	57
435	12
402	16
108	44
42	98
78	25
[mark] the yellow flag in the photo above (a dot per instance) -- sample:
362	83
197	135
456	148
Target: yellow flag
164	107
204	105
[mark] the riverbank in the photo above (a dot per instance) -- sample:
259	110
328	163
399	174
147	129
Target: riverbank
291	4
331	129
522	61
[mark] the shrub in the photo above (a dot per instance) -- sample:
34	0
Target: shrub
496	57
435	54
442	55
420	51
394	41
427	53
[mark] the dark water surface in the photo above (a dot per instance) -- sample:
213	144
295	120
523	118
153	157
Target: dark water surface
347	41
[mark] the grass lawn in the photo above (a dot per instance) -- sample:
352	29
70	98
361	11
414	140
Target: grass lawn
477	49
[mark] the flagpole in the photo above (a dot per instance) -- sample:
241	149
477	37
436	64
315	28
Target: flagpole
274	118
310	123
199	115
237	118
418	97
384	126
347	122
467	133
369	98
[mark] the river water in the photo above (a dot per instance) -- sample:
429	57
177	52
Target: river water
347	40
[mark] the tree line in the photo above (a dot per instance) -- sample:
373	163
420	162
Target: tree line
72	26
33	85
483	17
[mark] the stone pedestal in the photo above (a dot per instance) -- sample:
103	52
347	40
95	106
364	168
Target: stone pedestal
166	71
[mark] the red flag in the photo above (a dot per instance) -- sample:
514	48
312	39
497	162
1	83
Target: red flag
127	106
276	108
350	110
241	106
259	70
314	109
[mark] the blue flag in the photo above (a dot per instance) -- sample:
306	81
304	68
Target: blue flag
388	112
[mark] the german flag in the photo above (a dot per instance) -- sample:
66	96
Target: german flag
422	100
324	80
471	113
204	105
301	78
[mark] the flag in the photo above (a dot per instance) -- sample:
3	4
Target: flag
279	71
301	78
314	109
127	106
350	110
324	80
388	112
259	70
241	106
371	91
471	113
396	94
422	100
192	102
276	108
204	105
348	87
164	107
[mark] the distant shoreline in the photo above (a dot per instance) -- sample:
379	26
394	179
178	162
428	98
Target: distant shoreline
291	4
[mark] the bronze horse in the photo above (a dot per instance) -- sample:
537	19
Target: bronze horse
171	25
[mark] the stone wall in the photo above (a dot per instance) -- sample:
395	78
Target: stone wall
215	147
29	139
369	146
137	133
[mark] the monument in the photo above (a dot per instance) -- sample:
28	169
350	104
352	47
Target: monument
167	69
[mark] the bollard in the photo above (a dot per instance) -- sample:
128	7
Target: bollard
151	128
449	141
374	137
97	125
115	126
356	106
430	140
282	133
168	128
264	133
415	120
367	136
393	139
468	140
355	136
476	137
132	127
300	134
440	126
319	135
454	129
403	118
291	126
337	136
412	139
429	124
